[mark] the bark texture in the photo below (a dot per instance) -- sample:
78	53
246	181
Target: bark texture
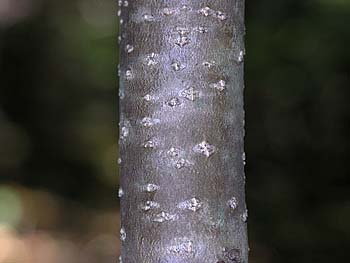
181	132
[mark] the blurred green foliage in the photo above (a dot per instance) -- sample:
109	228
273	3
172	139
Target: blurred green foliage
58	126
297	122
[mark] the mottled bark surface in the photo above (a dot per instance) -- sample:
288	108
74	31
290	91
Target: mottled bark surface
181	132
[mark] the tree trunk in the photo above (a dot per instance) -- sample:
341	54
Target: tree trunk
181	132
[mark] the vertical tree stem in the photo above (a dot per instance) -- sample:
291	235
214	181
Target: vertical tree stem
181	131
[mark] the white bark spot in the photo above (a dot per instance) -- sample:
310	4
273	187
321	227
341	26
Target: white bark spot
181	163
120	192
232	203
209	64
173	102
122	234
150	188
240	56
124	133
192	204
121	94
190	94
151	59
148	97
150	144
182	41
244	216
183	38
233	255
201	29
128	74
207	11
168	11
125	130
205	148
174	152
220	85
129	48
148	17
164	217
177	66
220	15
149	122
182	246
148	205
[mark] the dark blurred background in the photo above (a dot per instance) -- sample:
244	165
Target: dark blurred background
58	131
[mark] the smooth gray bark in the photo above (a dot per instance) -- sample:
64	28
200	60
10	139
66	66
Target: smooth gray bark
181	132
